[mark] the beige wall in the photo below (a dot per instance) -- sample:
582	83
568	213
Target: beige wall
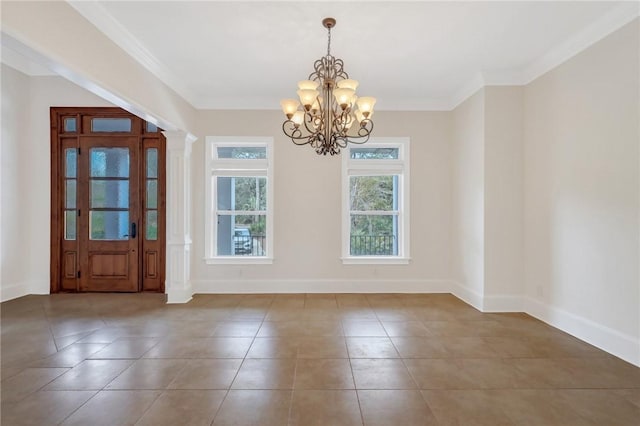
503	199
54	33
26	180
13	193
581	186
307	210
467	192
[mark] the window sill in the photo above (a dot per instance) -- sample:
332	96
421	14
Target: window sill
375	260
237	260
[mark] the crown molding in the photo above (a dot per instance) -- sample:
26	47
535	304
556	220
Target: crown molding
596	31
607	24
97	15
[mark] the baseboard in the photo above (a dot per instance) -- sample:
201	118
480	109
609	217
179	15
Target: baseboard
467	295
321	286
616	343
179	295
13	291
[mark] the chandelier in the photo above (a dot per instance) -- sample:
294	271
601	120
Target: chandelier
329	115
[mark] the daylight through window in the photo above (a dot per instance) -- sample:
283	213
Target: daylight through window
239	205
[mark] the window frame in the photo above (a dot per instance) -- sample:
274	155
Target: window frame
231	167
378	167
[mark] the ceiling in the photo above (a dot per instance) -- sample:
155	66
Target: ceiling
409	55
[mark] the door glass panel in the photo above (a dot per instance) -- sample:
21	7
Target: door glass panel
152	162
109	225
71	161
109	162
70	194
70	124
152	194
111	125
152	225
70	225
112	194
151	128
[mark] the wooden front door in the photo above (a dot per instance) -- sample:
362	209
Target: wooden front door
107	202
108	191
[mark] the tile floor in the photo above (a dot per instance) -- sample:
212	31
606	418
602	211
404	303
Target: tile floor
330	359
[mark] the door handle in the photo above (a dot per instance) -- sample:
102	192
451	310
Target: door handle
134	230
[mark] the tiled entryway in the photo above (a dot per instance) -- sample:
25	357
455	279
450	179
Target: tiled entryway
325	359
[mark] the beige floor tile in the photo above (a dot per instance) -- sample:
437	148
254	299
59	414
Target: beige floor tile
364	329
325	407
27	381
237	329
357	313
198	347
285	314
126	348
394	407
320	301
265	374
183	407
538	407
206	374
472	367
352	300
274	347
399	313
322	347
90	375
148	374
371	347
44	408
70	356
110	408
405	328
254	408
441	374
468	347
381	374
420	347
602	407
631	395
466	407
323	374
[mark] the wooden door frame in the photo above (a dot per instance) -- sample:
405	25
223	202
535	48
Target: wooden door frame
146	139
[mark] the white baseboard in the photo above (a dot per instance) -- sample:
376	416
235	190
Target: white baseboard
321	286
622	345
467	295
181	294
13	291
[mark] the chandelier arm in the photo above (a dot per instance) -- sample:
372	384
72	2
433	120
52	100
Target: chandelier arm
295	134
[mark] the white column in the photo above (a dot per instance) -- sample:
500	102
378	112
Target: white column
178	277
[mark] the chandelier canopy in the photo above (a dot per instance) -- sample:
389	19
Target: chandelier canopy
329	115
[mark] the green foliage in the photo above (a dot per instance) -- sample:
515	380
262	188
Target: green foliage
372	193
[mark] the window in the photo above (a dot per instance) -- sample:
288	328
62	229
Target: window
375	204
239	219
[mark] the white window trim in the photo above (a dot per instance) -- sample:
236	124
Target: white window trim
398	167
213	167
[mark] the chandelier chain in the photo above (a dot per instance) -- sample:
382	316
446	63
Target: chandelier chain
329	42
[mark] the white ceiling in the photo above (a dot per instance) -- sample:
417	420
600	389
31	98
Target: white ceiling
409	55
